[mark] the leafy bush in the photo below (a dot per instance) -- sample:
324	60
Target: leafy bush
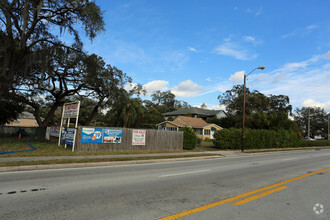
318	143
190	140
228	138
255	138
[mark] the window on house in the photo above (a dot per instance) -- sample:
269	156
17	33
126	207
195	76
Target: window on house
207	132
171	129
199	131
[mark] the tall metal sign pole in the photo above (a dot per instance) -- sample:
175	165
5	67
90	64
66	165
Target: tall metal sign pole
70	110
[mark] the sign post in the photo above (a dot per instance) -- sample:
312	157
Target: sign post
70	110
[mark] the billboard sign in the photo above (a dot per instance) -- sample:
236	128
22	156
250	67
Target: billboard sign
71	111
101	135
139	137
113	136
91	135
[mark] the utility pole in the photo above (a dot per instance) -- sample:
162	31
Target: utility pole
329	126
309	123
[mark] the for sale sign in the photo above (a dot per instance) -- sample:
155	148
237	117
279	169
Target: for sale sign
139	137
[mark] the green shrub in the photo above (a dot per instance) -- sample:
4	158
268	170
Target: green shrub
318	143
190	140
228	138
256	139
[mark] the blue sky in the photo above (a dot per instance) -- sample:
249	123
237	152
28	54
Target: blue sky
200	49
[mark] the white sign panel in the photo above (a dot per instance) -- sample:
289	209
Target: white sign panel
139	137
48	133
71	111
55	131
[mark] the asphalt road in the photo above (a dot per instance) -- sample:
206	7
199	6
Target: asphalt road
248	187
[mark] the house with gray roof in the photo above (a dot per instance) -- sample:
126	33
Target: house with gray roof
196	112
25	119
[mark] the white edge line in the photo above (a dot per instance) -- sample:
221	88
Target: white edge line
178	174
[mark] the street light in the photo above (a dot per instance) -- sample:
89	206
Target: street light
328	126
243	126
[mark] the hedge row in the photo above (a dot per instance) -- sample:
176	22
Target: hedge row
318	143
256	139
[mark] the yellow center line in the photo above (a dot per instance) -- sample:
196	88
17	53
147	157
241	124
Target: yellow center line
251	198
205	207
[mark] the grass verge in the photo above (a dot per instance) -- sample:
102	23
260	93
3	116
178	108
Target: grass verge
46	148
91	160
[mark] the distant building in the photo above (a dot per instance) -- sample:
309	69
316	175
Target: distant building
202	129
196	112
25	119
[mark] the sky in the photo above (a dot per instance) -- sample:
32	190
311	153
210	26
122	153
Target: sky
198	49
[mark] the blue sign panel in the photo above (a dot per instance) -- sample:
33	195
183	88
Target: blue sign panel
63	131
69	136
91	135
113	136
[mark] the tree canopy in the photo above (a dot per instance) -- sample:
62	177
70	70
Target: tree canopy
262	112
318	121
27	35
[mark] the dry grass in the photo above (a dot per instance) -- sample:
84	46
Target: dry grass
46	148
90	160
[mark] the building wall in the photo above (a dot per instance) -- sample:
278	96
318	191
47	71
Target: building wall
209	135
23	122
210	126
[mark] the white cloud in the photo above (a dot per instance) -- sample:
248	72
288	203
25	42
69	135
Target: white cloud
311	27
192	49
253	40
294	66
130	86
249	38
208	79
129	53
186	89
327	56
304	82
313	103
237	77
155	85
239	49
234	50
174	59
217	107
300	31
279	77
256	12
288	35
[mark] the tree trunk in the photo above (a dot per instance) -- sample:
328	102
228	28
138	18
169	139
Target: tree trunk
92	114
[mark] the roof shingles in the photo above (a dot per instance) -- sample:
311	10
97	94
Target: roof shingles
190	122
193	111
